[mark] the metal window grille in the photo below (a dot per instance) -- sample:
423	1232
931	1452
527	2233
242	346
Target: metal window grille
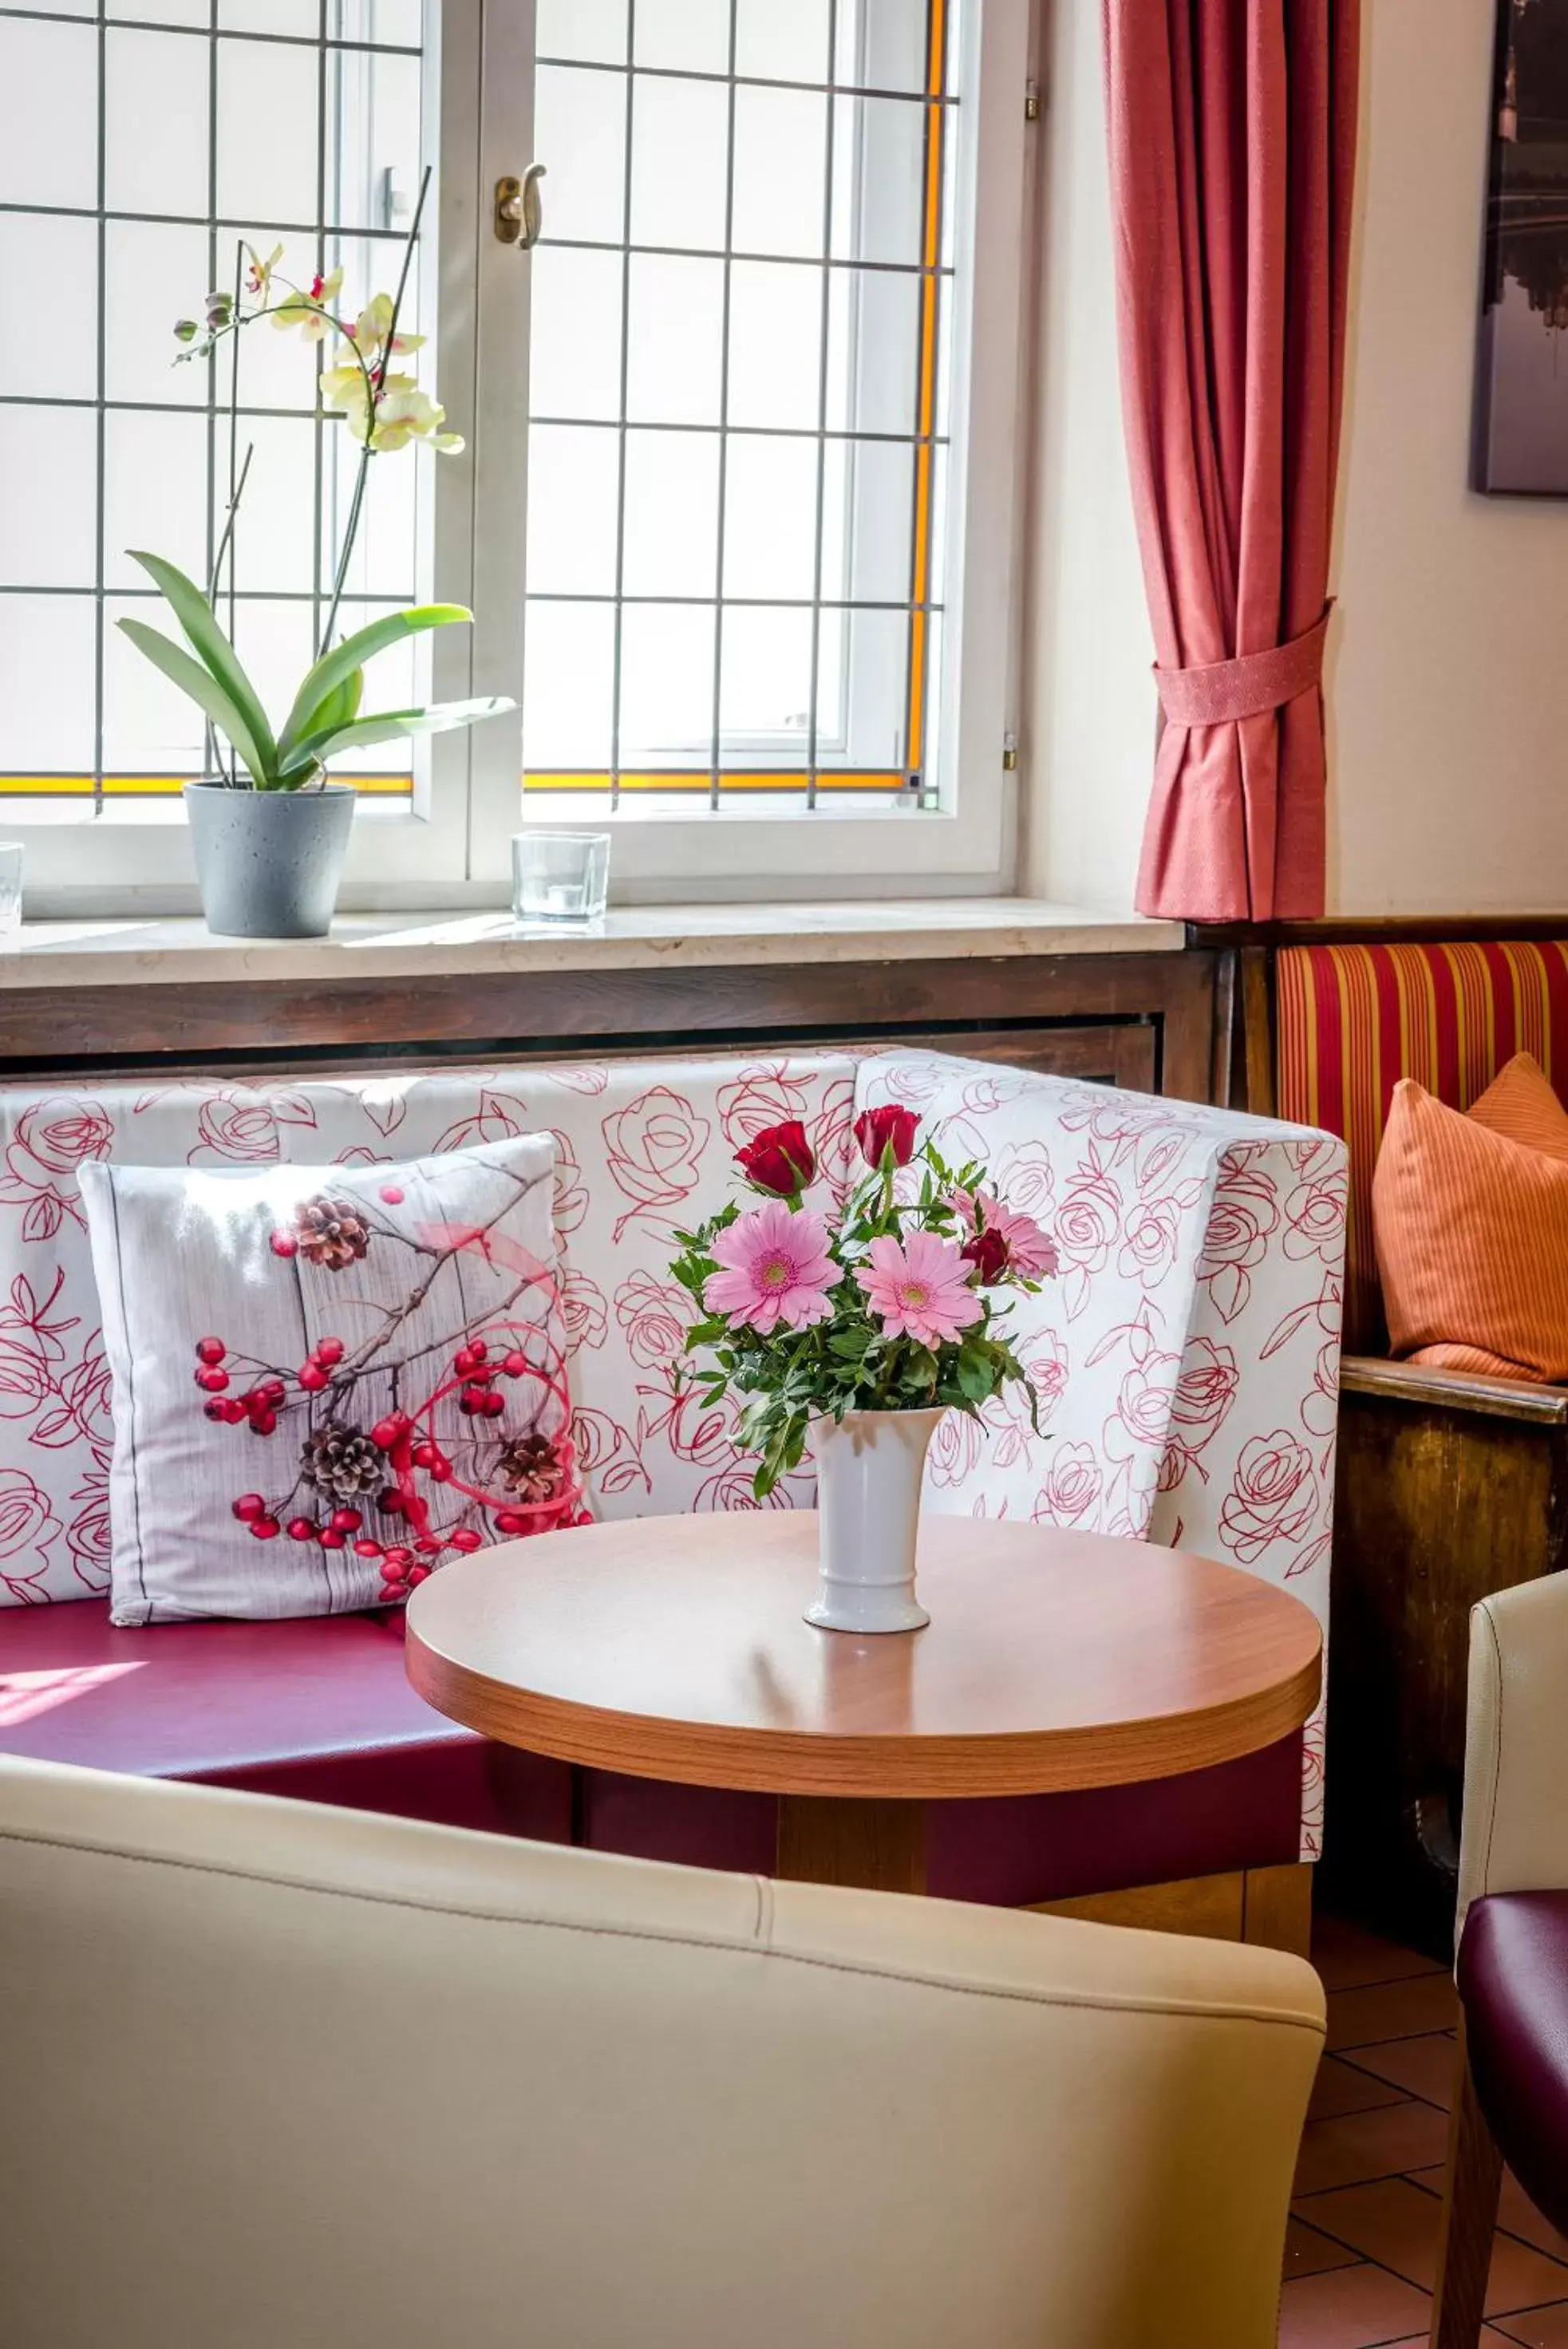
129	176
869	661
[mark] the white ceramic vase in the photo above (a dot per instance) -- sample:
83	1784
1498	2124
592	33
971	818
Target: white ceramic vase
869	1467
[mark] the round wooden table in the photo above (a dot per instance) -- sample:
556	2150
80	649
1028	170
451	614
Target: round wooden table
674	1648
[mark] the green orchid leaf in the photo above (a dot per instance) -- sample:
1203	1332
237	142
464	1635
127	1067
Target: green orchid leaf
205	691
386	726
341	706
195	615
338	706
304	718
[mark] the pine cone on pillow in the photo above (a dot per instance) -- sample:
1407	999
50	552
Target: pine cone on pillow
341	1465
331	1232
528	1466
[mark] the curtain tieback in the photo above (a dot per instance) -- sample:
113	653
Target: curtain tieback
1248	687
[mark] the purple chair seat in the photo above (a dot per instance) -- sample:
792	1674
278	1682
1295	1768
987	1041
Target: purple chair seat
1513	1983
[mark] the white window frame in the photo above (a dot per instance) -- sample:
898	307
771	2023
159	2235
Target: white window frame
452	847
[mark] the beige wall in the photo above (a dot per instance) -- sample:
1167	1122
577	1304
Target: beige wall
1449	669
1088	713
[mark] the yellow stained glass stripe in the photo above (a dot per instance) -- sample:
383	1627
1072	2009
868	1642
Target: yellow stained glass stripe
925	408
744	779
162	786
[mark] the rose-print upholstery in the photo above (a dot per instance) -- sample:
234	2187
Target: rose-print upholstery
1185	1359
641	1147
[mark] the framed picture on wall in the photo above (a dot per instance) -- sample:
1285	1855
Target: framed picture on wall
1520	439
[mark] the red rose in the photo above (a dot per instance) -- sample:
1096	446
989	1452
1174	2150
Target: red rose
779	1159
891	1129
990	1254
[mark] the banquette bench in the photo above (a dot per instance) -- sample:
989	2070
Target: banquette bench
1178	1359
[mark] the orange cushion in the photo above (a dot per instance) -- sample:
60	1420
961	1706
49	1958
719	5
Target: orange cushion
1520	1105
1471	1231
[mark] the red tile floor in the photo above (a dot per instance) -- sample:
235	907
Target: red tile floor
1361	2253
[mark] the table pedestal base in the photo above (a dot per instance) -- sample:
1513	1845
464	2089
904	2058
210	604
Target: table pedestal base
879	1847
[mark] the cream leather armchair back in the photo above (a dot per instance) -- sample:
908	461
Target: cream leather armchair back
1516	1823
276	2076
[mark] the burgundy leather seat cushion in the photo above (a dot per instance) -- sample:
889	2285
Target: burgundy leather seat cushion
321	1710
1513	1981
318	1709
1007	1851
1245	1814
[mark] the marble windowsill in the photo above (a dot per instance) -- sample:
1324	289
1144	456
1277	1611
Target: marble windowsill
111	952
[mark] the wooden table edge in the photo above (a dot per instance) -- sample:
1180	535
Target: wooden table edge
928	1768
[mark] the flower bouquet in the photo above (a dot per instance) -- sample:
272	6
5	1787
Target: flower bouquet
859	1329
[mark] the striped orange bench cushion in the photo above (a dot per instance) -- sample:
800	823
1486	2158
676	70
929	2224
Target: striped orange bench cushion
1352	1020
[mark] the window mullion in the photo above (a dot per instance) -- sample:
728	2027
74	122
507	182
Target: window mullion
618	647
483	325
715	773
822	375
318	446
102	420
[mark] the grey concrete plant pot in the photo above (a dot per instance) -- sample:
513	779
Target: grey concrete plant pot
268	863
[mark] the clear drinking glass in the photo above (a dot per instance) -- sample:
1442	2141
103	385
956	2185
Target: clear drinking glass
10	892
559	876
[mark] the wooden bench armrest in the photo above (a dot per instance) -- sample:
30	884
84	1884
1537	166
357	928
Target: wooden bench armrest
1467	1391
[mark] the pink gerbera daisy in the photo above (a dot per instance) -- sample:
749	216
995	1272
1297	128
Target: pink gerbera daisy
920	1288
1031	1252
777	1268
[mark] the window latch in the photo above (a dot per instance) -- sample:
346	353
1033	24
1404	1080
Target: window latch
519	211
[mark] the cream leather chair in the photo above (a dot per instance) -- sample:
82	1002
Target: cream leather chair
277	2076
1511	2098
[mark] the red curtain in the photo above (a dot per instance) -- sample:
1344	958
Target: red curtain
1232	142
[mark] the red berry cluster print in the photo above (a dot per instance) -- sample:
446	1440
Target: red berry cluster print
408	1453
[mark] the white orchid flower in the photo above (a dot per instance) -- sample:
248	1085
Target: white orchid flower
258	273
311	312
344	392
373	325
405	413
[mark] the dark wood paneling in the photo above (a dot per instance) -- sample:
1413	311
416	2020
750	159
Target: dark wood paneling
1223	1087
1036	1010
1519	1400
1254	991
880	1847
1447	1489
1371	930
1103	1054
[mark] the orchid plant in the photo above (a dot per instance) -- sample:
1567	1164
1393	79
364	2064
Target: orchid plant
898	1302
384	411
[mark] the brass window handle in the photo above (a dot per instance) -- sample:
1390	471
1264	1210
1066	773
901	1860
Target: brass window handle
519	213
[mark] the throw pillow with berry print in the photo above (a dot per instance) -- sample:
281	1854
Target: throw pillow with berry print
327	1380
